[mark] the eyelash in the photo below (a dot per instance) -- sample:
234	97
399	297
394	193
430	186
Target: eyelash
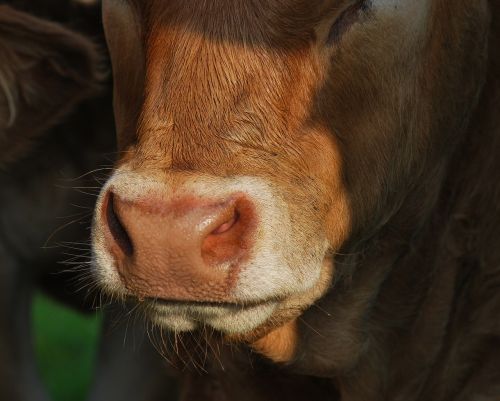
348	18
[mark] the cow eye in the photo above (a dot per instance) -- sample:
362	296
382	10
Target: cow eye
346	19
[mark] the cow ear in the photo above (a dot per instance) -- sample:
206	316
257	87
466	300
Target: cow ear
45	71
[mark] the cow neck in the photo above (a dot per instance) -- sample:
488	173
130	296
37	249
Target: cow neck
399	314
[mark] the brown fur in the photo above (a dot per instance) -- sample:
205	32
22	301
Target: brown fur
392	150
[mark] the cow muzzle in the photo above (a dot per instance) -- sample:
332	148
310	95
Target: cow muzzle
184	248
203	250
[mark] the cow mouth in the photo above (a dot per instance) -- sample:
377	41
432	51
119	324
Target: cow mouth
226	317
159	302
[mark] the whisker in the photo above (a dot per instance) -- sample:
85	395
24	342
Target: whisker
323	310
61	228
310	327
89	172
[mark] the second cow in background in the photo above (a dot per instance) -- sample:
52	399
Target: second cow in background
56	126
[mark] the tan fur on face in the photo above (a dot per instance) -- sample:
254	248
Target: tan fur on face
279	345
237	108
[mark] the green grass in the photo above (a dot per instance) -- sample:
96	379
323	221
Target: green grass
65	345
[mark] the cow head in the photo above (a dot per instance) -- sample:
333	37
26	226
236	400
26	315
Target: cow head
257	138
45	70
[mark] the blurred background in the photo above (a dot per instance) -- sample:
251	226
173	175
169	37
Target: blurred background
66	347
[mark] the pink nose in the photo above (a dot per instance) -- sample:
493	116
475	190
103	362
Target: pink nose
187	249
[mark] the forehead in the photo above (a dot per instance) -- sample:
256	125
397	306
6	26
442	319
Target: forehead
246	21
170	32
298	11
278	23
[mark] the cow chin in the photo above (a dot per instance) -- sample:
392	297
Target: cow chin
239	322
244	270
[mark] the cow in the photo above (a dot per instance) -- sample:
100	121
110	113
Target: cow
47	149
310	190
45	71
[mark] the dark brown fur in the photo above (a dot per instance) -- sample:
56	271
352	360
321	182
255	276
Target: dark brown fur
46	199
39	59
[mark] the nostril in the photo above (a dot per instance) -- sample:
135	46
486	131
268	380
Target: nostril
227	225
116	227
230	241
